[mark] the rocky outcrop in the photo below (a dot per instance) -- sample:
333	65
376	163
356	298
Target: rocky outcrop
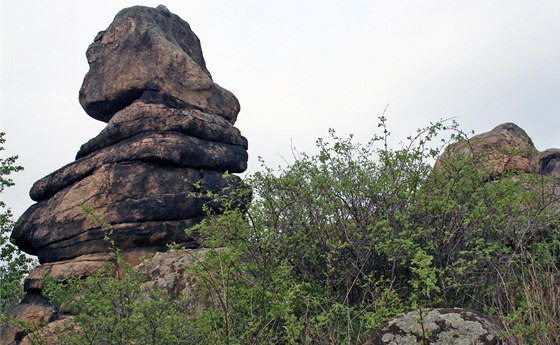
167	145
444	326
506	148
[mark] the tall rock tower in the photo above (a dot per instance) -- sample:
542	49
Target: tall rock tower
169	140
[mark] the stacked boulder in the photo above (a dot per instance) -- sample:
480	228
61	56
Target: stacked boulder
169	141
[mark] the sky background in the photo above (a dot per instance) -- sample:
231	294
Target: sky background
298	68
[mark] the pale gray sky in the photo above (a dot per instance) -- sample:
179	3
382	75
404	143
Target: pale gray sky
298	69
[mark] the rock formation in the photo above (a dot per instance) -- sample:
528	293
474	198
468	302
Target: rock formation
168	143
506	149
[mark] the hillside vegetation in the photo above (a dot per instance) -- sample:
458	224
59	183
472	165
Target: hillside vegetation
337	244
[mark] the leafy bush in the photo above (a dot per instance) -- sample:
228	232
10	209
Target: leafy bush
116	310
337	243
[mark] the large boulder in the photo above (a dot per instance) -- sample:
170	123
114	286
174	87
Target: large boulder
506	148
444	326
153	54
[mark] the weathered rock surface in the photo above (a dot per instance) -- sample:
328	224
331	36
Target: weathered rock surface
170	270
550	162
445	326
52	333
506	148
81	267
151	53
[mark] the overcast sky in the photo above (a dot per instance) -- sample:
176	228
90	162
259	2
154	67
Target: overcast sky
298	68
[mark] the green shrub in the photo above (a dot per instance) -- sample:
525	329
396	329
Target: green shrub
358	233
114	309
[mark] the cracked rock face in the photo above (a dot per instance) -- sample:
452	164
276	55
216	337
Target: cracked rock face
169	141
444	326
